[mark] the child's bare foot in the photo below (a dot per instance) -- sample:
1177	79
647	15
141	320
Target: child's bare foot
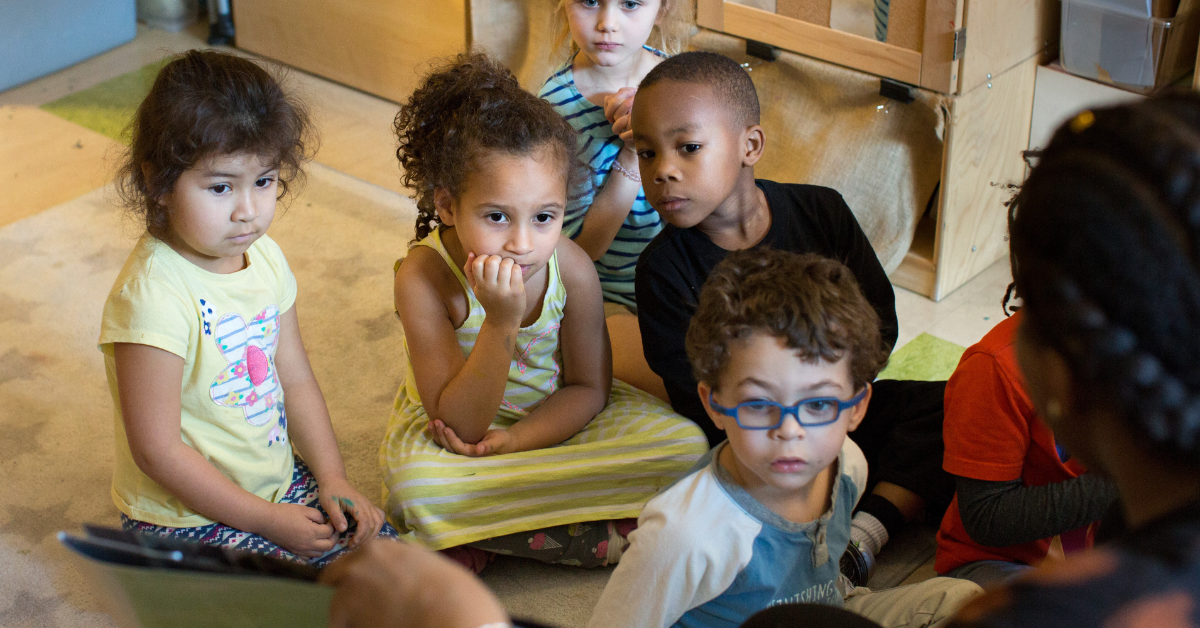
473	558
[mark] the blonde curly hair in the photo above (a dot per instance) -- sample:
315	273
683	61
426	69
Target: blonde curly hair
670	35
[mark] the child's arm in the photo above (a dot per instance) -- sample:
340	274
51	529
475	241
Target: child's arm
463	393
310	429
856	252
389	584
610	206
586	357
999	514
148	383
667	570
587	369
666	299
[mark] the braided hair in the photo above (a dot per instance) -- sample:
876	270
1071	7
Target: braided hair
470	105
1105	238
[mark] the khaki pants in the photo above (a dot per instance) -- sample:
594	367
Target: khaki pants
927	604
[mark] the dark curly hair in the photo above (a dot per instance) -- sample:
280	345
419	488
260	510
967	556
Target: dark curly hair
1105	241
469	105
206	103
812	302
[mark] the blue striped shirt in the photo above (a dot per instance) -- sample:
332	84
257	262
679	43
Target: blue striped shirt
598	148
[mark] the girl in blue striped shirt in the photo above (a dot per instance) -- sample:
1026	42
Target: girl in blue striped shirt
609	216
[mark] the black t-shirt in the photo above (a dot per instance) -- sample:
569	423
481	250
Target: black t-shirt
674	266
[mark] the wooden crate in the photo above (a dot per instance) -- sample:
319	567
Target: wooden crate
988	85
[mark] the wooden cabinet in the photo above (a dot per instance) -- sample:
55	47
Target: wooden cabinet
378	46
982	56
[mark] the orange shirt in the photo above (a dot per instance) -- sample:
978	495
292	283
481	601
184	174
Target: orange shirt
992	433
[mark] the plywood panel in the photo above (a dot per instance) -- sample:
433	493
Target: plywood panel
711	14
988	130
1004	33
906	24
915	273
811	11
939	69
837	47
378	46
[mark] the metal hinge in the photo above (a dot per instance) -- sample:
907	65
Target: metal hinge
960	43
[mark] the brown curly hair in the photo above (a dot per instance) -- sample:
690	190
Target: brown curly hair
469	105
205	103
810	301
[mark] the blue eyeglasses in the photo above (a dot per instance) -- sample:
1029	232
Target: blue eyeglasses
761	414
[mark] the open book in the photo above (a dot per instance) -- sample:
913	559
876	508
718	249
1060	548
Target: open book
152	582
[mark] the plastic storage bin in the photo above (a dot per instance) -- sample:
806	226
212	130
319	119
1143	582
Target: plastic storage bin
1119	42
38	37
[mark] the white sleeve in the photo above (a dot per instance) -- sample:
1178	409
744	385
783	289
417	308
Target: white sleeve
689	547
854	464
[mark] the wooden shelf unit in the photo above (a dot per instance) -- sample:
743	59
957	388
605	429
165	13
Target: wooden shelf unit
988	104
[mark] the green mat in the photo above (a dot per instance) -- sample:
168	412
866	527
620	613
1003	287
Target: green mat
926	358
108	108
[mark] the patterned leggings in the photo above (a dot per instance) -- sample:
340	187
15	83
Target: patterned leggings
590	544
303	490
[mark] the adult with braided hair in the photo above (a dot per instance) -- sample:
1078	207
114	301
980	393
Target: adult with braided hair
1105	257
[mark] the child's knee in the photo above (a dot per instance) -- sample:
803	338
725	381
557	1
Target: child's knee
942	597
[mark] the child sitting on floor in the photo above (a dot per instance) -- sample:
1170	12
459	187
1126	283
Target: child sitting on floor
1020	496
1104	237
509	432
784	347
695	127
210	381
608	216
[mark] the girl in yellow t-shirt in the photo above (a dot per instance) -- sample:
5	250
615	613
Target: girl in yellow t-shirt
210	381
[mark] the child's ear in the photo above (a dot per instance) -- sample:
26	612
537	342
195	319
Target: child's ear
443	202
858	412
705	392
754	142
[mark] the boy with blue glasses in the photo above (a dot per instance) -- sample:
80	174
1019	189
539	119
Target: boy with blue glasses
784	347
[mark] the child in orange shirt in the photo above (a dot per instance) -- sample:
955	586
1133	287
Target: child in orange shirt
1016	488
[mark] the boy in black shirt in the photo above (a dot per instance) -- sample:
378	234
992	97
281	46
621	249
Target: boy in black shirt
695	127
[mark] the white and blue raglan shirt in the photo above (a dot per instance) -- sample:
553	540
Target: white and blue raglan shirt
598	149
708	555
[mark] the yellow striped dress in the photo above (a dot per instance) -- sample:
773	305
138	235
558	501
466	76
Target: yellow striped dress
634	447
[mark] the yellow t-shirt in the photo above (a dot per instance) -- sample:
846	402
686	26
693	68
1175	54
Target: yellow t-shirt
226	328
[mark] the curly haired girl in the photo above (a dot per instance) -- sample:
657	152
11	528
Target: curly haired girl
509	432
